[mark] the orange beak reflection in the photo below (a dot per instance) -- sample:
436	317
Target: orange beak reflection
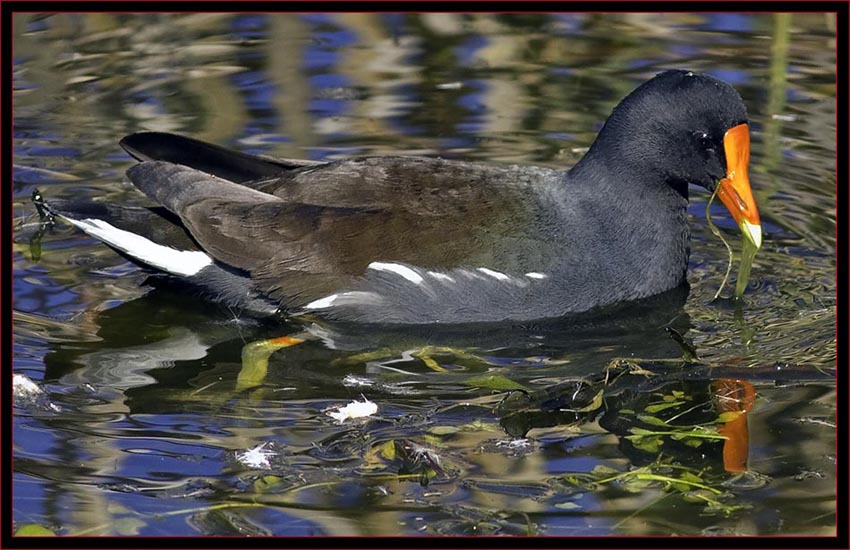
735	191
735	396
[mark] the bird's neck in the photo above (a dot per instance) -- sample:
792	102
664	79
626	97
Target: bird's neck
633	205
613	167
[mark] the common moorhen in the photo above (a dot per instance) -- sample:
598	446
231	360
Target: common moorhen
409	240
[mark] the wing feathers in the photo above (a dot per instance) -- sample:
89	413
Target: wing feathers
175	186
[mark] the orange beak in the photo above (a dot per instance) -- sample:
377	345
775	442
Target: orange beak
735	191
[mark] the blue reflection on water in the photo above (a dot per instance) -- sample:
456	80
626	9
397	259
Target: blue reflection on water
684	51
329	80
394	22
324	52
467	51
316	58
52	151
336	39
40	298
327	107
146	453
569	23
728	22
250	26
37	25
400	122
259	91
734	77
475	100
317	19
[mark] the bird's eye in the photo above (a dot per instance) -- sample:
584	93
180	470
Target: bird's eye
704	141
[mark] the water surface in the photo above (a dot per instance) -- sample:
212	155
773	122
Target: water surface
148	402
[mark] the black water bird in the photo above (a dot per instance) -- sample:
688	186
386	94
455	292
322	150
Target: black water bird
412	240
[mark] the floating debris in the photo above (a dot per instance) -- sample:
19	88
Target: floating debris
257	458
806	474
28	393
514	448
513	444
355	409
351	380
22	386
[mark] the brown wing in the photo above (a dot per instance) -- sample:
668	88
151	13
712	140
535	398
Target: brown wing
322	227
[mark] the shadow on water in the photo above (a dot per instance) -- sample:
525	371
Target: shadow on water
185	330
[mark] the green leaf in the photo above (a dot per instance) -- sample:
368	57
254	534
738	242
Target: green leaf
650	444
699	495
681	487
34	530
595	404
266	483
694	442
567	505
634	485
443	430
728	416
495	382
693	478
433	440
127	526
640	431
697	432
652	420
388	449
662	406
581	481
35	249
600	470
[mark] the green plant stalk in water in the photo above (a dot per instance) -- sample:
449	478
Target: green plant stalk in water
748	253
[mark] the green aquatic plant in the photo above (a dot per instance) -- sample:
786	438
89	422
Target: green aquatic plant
748	253
690	484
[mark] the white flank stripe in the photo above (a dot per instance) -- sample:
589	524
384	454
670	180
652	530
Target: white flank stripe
495	274
178	262
534	275
398	269
321	303
441	276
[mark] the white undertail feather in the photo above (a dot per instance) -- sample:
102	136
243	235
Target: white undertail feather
171	260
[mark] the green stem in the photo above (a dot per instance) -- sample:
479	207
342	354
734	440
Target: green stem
702	435
656	477
717	234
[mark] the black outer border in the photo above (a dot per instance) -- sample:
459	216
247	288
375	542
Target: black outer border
10	7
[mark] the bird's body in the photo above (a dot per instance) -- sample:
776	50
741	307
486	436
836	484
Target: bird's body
412	240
